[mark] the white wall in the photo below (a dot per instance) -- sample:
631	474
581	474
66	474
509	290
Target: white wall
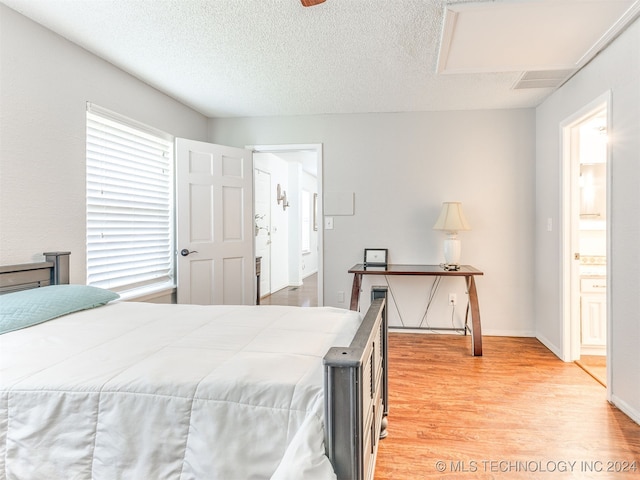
401	167
616	69
45	84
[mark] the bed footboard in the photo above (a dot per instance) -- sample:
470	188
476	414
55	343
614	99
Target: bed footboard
356	397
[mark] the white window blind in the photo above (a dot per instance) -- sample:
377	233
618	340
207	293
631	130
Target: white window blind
129	203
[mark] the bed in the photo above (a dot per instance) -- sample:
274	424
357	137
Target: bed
145	391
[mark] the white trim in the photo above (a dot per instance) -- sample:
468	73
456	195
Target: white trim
450	20
144	294
130	122
622	405
569	301
550	345
570	312
487	333
616	29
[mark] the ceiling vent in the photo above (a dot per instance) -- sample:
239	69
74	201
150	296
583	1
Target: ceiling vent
542	79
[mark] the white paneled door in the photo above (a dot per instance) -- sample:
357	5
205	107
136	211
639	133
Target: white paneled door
215	227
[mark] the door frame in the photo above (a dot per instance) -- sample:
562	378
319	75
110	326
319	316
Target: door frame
308	147
570	216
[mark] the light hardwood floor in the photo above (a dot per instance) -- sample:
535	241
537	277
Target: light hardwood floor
596	366
516	408
303	296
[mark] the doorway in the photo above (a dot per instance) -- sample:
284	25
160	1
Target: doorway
585	252
288	193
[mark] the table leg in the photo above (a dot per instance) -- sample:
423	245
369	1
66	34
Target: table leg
355	291
475	317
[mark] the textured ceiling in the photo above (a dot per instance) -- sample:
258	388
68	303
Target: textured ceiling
275	57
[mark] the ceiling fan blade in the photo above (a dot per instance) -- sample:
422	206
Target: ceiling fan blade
311	3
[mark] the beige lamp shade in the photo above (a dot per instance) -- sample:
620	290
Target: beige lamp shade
451	218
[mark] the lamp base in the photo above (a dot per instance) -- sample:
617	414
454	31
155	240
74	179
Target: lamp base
452	250
451	267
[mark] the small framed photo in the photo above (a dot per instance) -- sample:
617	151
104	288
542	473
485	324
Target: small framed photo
375	257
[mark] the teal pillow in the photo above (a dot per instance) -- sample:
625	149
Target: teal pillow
30	307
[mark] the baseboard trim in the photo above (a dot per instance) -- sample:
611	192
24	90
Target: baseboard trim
625	408
555	350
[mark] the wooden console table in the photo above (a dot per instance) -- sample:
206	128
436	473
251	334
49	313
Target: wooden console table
466	271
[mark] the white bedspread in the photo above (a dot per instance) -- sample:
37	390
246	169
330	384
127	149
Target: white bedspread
148	392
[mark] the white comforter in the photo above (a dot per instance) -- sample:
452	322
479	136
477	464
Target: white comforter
148	392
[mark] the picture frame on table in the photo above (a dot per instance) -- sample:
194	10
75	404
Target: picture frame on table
376	257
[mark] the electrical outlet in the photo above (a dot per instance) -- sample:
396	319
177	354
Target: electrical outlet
340	297
453	299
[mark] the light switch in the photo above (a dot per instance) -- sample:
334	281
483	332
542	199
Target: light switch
328	223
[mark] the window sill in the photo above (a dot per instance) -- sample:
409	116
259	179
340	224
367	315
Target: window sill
145	294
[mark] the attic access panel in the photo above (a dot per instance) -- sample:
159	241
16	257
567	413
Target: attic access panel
523	36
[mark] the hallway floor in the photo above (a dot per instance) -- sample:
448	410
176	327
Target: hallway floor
303	296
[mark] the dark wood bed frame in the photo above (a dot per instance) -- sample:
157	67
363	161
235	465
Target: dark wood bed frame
355	377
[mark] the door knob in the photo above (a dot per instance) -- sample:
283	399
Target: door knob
184	252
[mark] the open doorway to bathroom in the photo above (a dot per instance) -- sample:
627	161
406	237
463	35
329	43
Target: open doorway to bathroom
586	165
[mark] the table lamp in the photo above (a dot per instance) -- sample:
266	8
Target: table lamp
452	221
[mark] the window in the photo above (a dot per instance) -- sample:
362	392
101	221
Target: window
130	207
